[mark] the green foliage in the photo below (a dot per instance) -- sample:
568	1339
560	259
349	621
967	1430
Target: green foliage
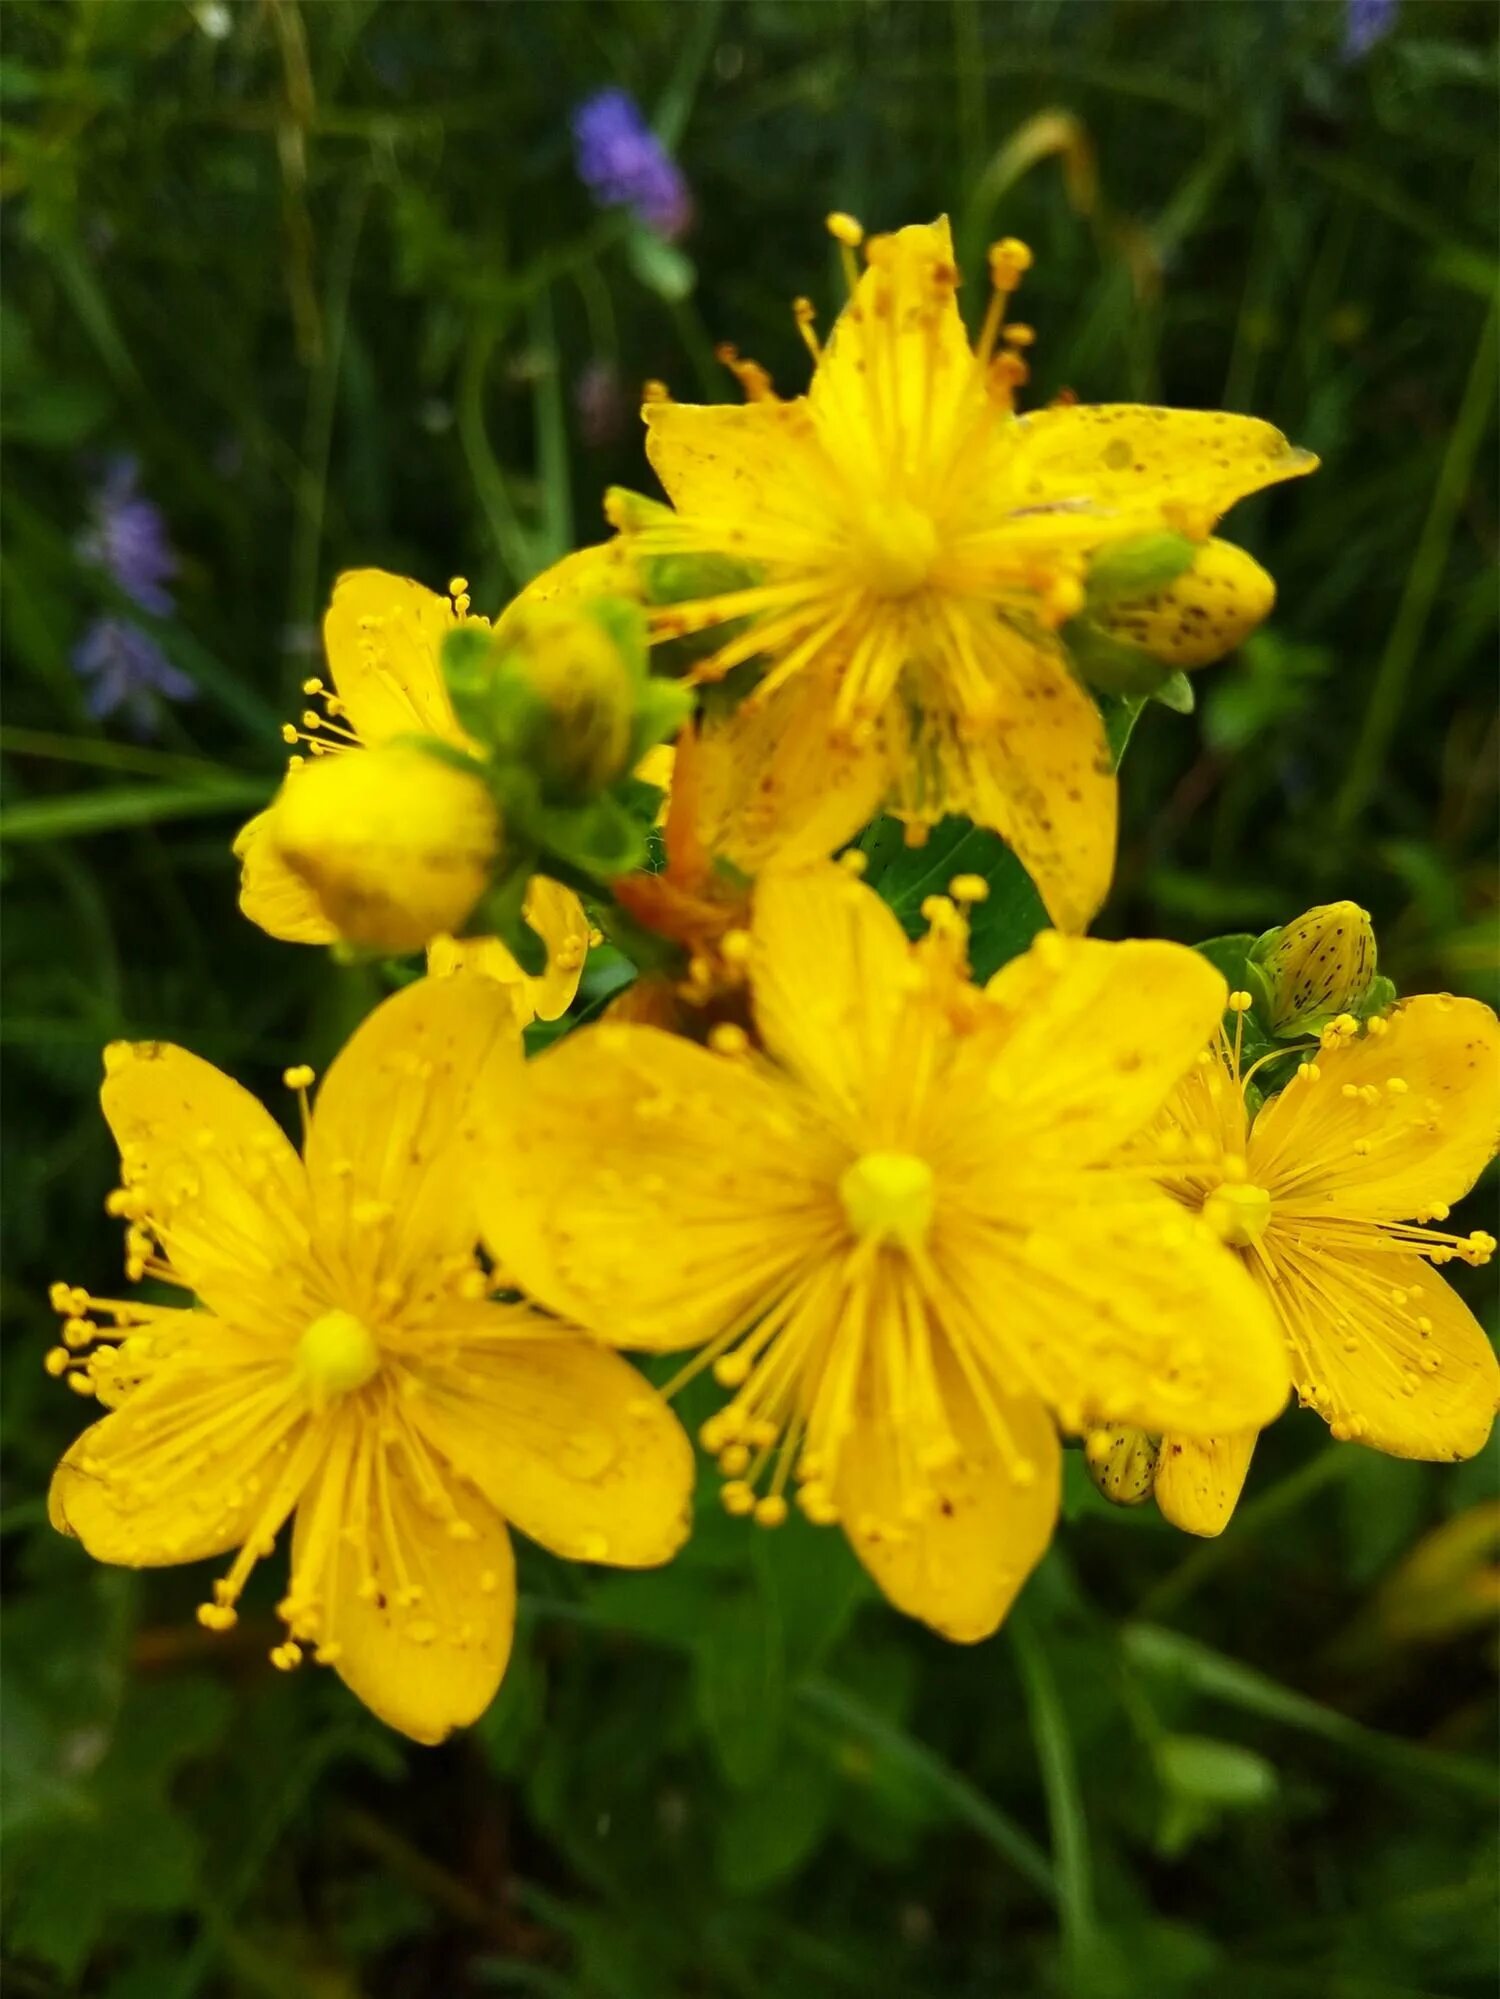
325	270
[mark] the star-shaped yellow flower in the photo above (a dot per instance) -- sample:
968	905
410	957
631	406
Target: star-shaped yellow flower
1324	1194
383	637
915	545
346	1362
897	1234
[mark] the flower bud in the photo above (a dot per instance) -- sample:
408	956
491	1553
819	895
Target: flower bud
1122	1464
1318	967
1202	613
396	844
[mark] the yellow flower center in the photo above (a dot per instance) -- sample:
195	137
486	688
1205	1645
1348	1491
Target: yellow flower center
888	1195
898	545
1238	1213
337	1353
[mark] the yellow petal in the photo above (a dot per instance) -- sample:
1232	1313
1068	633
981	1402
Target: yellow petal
563	1438
1036	771
901	330
755	467
218	1176
1386	1350
957	1555
1428	1125
1127	464
1199	1479
396	1131
636	1184
182	1471
1110	1302
271	895
383	637
559	919
774	788
831	977
1088	1040
605	570
415	1608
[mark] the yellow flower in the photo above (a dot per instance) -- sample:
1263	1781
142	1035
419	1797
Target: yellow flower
1317	1193
911	547
347	1364
383	637
897	1235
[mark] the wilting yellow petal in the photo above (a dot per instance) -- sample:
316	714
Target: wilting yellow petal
1130	464
413	1606
1199	1479
774	789
1088	1041
1385	1349
560	920
396	1134
956	1552
563	1438
216	1176
1398	1124
383	636
271	895
633	1189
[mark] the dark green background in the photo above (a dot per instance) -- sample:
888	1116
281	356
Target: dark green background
329	275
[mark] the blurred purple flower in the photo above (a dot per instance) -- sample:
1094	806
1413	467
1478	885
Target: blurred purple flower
599	399
128	673
622	163
127	538
1366	22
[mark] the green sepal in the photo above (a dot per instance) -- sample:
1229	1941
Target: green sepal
1176	693
663	707
679	579
625	623
499	913
1110	665
1382	994
1136	567
602	838
629	511
468	663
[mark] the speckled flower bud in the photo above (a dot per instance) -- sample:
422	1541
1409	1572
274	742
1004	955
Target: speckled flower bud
1207	610
1317	967
1122	1464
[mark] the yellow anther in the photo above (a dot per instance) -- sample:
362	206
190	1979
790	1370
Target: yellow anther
299	1077
1240	1002
734	947
854	861
56	1360
844	229
458	586
770	1511
285	1657
737	1498
217	1616
734	1459
1017	335
1009	260
731	1370
889	1197
969	888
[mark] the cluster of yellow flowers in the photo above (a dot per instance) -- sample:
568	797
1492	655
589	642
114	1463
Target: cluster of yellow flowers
919	1228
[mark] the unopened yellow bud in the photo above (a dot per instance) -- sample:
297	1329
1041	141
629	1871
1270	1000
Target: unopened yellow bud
564	697
1122	1464
395	843
1319	967
1204	613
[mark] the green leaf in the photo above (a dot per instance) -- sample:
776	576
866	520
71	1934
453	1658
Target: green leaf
660	266
85	812
739	1682
768	1832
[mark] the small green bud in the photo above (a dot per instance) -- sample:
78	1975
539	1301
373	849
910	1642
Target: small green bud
1317	967
1122	1464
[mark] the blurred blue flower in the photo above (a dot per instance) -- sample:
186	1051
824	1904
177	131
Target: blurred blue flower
127	672
1366	22
622	163
127	538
